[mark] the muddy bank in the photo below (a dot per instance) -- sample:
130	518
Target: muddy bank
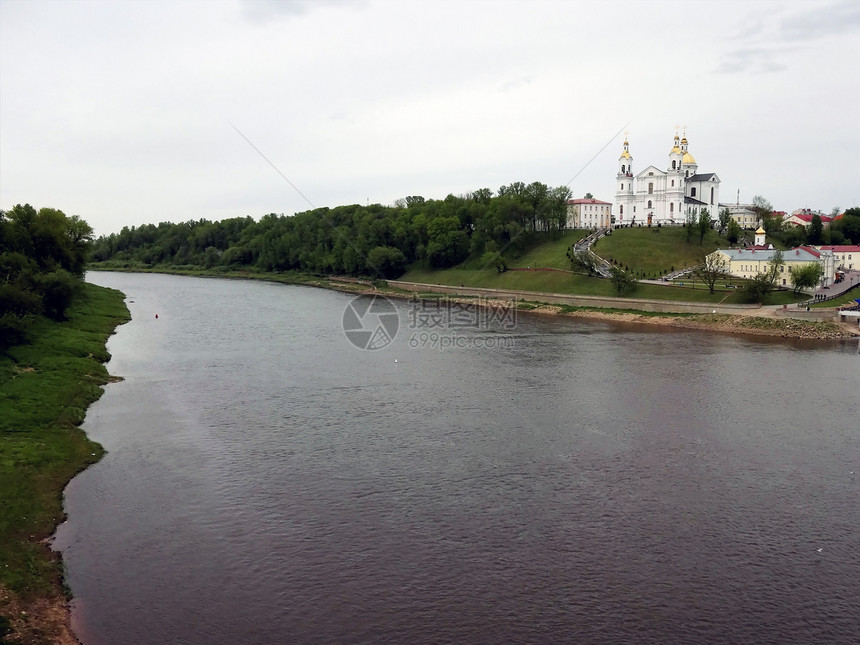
721	323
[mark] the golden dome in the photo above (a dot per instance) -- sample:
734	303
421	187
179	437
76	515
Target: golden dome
760	231
688	158
625	155
675	151
684	140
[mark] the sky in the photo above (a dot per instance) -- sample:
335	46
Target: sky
129	112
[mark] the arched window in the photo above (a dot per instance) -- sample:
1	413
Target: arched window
649	203
622	209
622	186
673	164
672	207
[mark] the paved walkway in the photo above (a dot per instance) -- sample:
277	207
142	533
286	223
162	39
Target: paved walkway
852	279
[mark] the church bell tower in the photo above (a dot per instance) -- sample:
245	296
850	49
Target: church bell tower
624	186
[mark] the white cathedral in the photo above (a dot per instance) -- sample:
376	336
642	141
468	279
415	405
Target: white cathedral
665	197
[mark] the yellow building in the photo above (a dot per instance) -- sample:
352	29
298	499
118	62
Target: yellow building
748	263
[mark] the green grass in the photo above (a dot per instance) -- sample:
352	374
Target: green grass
844	299
551	253
575	284
656	251
45	388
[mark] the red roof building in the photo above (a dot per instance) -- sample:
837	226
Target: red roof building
845	255
588	213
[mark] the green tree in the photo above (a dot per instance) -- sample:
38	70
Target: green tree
387	261
690	223
714	267
704	224
794	235
816	228
211	257
58	288
774	267
733	232
725	218
761	207
806	276
756	289
622	280
771	224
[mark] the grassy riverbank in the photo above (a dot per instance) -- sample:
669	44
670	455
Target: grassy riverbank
46	386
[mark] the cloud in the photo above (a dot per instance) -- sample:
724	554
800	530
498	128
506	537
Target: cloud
267	10
822	22
516	83
753	60
767	43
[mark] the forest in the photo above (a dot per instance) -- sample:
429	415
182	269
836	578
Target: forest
373	240
42	260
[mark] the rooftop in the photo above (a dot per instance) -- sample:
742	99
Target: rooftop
806	217
587	201
800	254
702	176
840	248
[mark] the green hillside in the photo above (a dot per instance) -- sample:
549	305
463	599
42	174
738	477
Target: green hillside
649	251
657	250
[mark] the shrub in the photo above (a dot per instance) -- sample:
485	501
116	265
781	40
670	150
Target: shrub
58	288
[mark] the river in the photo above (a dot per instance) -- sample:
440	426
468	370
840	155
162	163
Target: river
539	480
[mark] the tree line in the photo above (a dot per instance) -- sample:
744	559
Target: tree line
372	240
42	258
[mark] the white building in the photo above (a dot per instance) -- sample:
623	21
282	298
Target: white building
668	196
743	214
588	214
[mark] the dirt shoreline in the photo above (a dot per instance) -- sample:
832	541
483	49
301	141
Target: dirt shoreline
42	620
743	324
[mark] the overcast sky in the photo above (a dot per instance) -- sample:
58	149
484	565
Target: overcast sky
126	112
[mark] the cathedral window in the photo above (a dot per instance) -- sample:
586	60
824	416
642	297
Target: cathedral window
622	169
673	165
672	207
649	204
673	182
650	189
622	186
712	194
693	192
622	209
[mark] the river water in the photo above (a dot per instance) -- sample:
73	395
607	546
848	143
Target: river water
545	481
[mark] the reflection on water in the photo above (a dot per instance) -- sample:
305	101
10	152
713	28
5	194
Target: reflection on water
267	482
